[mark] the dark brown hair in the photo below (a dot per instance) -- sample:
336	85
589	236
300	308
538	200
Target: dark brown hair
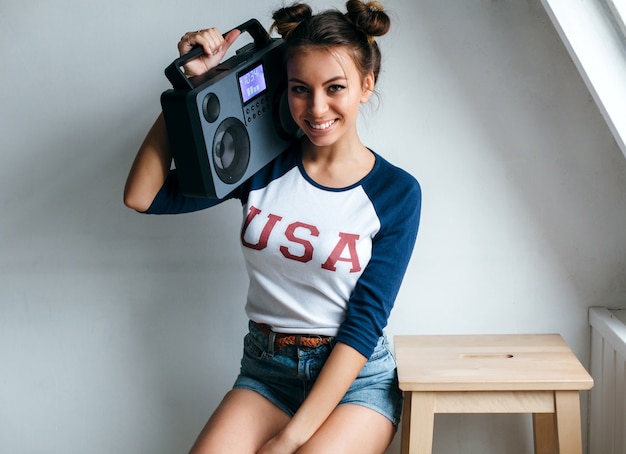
355	30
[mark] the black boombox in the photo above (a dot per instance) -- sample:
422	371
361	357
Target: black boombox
227	124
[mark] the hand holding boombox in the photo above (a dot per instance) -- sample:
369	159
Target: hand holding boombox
226	123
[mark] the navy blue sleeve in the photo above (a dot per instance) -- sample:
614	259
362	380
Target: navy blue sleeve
169	199
397	200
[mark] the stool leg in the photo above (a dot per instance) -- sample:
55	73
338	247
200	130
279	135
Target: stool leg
418	423
544	431
406	423
568	422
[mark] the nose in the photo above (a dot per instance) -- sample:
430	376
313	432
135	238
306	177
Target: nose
318	104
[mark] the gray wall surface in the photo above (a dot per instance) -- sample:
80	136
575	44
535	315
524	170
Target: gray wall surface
120	333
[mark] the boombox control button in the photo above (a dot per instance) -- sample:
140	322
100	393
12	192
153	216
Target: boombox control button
256	109
211	107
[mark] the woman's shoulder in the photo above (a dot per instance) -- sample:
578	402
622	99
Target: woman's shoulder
396	196
392	178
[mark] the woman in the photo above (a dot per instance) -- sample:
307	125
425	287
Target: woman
328	230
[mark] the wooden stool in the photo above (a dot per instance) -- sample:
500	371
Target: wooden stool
528	373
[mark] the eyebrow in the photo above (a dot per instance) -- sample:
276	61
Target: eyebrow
329	81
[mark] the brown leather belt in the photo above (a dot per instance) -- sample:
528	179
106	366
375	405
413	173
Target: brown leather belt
299	340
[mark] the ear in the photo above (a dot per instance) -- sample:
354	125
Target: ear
367	87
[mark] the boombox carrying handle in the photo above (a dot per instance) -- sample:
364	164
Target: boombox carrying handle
175	73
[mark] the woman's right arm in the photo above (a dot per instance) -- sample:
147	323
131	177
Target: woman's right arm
152	163
150	168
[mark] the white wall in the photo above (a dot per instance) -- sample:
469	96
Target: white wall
119	333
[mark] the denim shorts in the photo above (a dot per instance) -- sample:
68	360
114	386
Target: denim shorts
285	377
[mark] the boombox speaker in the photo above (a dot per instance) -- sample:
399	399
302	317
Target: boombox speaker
225	125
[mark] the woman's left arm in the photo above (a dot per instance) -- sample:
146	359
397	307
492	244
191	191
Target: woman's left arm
341	369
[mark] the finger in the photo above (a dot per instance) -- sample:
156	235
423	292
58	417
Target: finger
186	43
209	39
226	41
230	38
214	42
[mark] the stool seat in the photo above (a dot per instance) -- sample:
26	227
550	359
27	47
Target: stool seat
510	373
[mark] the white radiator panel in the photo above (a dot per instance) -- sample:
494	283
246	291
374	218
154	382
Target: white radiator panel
607	419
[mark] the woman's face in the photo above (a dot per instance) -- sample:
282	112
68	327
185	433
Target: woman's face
325	91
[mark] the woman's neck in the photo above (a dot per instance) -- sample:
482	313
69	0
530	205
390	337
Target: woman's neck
337	166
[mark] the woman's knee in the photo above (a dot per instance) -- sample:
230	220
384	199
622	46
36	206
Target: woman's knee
242	423
352	429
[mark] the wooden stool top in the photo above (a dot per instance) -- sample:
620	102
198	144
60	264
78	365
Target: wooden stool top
503	362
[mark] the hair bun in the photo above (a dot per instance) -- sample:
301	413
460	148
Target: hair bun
369	17
288	18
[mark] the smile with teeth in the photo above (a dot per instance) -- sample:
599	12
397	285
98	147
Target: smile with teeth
321	126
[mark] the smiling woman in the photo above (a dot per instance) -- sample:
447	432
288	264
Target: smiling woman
328	230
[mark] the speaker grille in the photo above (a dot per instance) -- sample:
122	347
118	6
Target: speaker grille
231	150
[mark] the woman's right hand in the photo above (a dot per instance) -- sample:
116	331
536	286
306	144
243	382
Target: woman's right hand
214	44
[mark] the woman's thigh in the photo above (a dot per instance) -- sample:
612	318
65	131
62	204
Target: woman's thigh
352	429
242	423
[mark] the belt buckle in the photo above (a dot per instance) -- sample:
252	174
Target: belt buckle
320	340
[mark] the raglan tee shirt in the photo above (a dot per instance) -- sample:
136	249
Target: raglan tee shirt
321	261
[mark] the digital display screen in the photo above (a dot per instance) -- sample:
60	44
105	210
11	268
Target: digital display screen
252	83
